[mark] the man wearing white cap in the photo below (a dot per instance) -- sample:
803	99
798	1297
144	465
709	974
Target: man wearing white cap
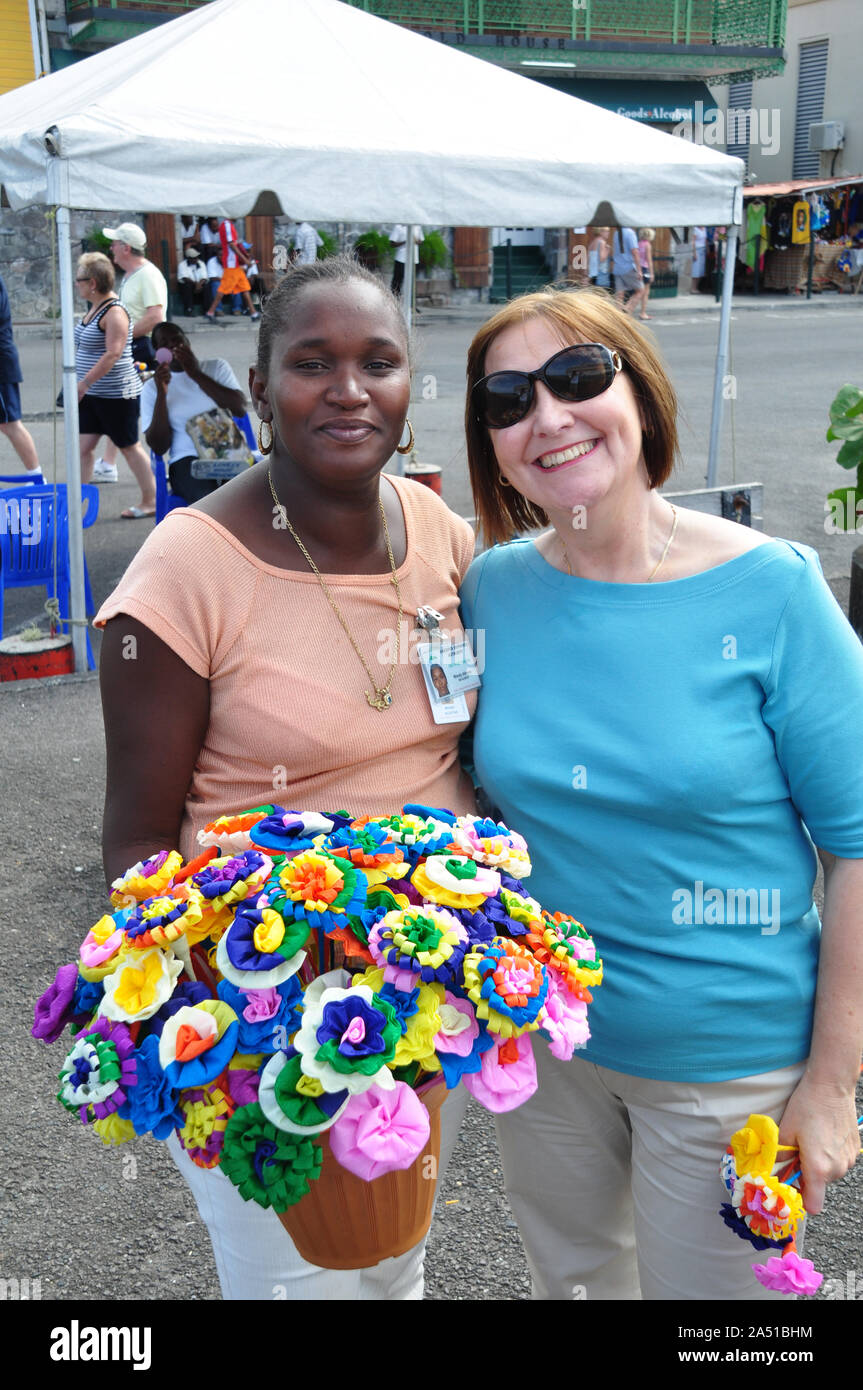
144	293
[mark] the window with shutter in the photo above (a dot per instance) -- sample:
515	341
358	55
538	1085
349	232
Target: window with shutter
811	82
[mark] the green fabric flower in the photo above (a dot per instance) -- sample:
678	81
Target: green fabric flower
267	1165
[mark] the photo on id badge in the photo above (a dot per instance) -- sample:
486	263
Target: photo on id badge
449	670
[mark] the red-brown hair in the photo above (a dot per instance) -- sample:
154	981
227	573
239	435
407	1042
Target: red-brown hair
578	316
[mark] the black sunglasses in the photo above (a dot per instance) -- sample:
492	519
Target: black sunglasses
574	374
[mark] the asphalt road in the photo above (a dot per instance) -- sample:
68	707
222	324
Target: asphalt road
77	1216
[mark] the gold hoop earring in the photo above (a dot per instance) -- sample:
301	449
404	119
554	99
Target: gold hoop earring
504	482
265	448
406	448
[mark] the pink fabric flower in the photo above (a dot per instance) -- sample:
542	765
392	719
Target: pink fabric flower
565	1019
380	1131
454	1037
502	1085
263	1004
790	1274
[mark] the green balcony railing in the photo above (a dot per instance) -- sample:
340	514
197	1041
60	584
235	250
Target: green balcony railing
725	22
160	7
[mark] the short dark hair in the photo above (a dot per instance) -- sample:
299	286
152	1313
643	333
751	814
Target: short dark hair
335	270
589	316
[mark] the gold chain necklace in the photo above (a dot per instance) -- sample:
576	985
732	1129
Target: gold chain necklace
382	699
660	562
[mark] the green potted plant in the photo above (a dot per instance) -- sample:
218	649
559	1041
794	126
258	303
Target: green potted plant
433	253
846	423
329	246
372	248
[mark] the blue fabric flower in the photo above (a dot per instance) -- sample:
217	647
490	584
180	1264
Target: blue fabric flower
214	883
337	1018
480	931
152	1105
261	1036
454	1067
405	1002
87	997
430	813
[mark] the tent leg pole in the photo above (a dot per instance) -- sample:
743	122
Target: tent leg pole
73	452
721	356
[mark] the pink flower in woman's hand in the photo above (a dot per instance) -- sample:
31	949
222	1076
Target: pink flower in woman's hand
790	1274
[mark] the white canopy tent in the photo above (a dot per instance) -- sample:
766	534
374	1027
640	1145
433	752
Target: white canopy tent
327	113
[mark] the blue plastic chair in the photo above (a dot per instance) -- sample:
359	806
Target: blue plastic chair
29	517
17	480
165	500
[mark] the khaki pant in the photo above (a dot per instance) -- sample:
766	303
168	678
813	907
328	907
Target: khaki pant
614	1181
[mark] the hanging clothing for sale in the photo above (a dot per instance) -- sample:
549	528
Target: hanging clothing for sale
756	234
781	223
800	221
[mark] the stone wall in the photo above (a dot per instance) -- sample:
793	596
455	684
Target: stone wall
26	261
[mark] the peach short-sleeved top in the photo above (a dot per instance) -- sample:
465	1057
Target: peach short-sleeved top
289	722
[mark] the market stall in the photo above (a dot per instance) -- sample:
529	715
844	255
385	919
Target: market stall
802	236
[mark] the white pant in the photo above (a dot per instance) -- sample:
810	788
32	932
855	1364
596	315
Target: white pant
614	1182
256	1258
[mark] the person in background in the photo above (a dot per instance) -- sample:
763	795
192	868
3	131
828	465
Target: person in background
180	390
627	267
109	385
189	232
398	239
233	281
192	281
306	243
645	252
144	292
253	274
10	396
599	260
699	258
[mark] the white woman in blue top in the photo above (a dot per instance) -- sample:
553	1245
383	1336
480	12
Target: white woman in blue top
664	715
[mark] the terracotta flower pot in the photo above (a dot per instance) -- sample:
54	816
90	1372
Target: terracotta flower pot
346	1223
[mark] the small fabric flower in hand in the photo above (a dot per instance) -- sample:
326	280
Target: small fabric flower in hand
789	1274
755	1145
380	1131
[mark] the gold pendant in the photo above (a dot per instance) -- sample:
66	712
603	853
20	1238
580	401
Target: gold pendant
382	699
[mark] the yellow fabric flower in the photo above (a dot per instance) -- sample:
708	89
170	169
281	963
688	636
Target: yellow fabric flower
113	1130
755	1145
269	933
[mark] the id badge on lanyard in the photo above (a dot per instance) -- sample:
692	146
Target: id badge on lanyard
449	670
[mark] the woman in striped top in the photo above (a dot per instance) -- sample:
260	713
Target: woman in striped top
108	381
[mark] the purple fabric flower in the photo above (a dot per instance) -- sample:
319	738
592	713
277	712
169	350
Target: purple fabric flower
54	1008
242	1085
213	882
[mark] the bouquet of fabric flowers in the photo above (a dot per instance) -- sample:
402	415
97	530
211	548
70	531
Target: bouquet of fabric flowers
765	1209
211	1000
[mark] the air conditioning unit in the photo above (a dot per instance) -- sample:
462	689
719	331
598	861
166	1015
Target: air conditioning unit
826	135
